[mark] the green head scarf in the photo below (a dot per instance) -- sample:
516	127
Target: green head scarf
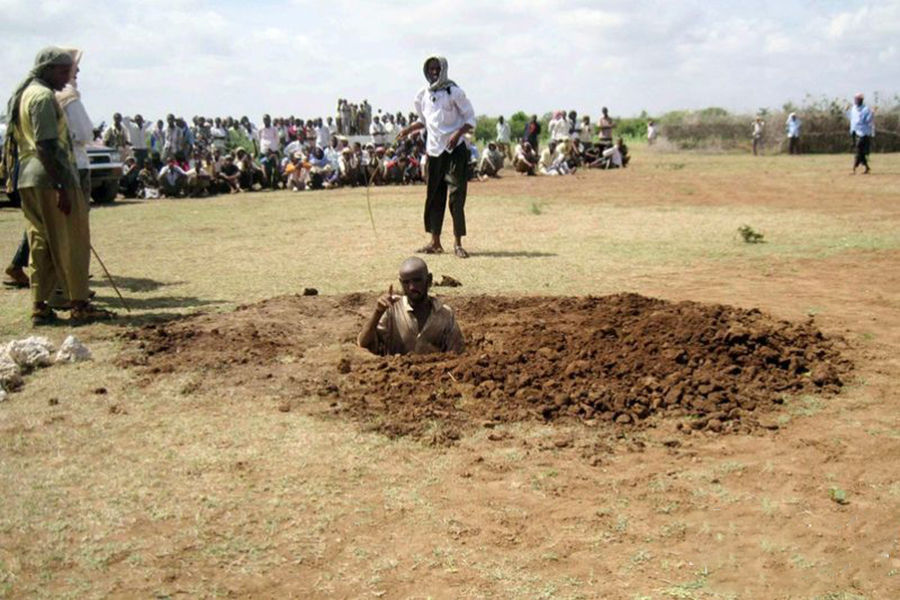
48	57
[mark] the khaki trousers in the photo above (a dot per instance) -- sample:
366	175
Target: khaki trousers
60	244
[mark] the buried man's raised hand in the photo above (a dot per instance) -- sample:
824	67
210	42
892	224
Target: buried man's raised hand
386	301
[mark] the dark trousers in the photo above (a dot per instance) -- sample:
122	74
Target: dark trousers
447	172
140	157
793	145
20	259
862	151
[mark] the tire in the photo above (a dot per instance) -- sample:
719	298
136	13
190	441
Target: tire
105	193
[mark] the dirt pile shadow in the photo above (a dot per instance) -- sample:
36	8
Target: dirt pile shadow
623	359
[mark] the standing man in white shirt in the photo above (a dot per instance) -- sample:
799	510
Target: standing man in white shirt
758	126
447	115
503	137
269	139
137	136
376	130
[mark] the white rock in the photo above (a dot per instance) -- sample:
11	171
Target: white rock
72	351
10	373
31	352
2	396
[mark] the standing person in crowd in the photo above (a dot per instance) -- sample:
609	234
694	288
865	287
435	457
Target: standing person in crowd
269	139
652	132
172	138
606	126
585	132
532	131
862	128
116	137
158	140
758	128
376	130
323	134
793	133
48	183
137	137
504	137
447	115
558	126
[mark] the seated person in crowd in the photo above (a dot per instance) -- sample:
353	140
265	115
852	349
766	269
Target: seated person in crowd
348	173
614	157
415	323
491	161
201	175
297	173
270	164
319	169
251	174
228	176
173	180
129	184
551	163
525	160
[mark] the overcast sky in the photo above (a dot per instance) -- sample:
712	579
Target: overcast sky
297	57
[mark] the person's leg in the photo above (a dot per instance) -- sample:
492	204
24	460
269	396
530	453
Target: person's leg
864	143
858	156
457	185
16	269
43	274
436	199
69	243
20	259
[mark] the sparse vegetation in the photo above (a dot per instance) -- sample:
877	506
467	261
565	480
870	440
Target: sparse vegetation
749	235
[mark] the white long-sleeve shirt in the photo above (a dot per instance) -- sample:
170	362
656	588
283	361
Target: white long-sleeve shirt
137	136
503	132
81	130
444	112
269	139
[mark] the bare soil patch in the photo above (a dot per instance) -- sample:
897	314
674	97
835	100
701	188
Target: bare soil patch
622	359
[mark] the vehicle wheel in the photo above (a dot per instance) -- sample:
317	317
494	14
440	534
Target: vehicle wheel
105	193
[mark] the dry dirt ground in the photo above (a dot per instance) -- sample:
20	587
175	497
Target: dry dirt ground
724	430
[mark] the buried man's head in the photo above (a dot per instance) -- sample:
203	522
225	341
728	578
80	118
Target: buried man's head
415	279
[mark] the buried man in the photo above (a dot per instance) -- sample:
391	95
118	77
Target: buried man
413	323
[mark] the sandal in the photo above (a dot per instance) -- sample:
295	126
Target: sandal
43	316
88	313
460	252
429	249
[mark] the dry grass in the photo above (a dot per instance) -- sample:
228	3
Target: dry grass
167	490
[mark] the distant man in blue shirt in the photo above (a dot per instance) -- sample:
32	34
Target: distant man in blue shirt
862	127
793	133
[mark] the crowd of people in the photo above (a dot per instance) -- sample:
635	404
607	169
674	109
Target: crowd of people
222	155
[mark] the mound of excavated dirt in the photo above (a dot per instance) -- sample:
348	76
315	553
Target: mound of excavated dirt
621	359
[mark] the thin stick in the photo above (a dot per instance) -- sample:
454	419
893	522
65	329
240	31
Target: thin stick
369	181
108	276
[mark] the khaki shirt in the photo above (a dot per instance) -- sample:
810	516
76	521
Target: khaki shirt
41	118
398	331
